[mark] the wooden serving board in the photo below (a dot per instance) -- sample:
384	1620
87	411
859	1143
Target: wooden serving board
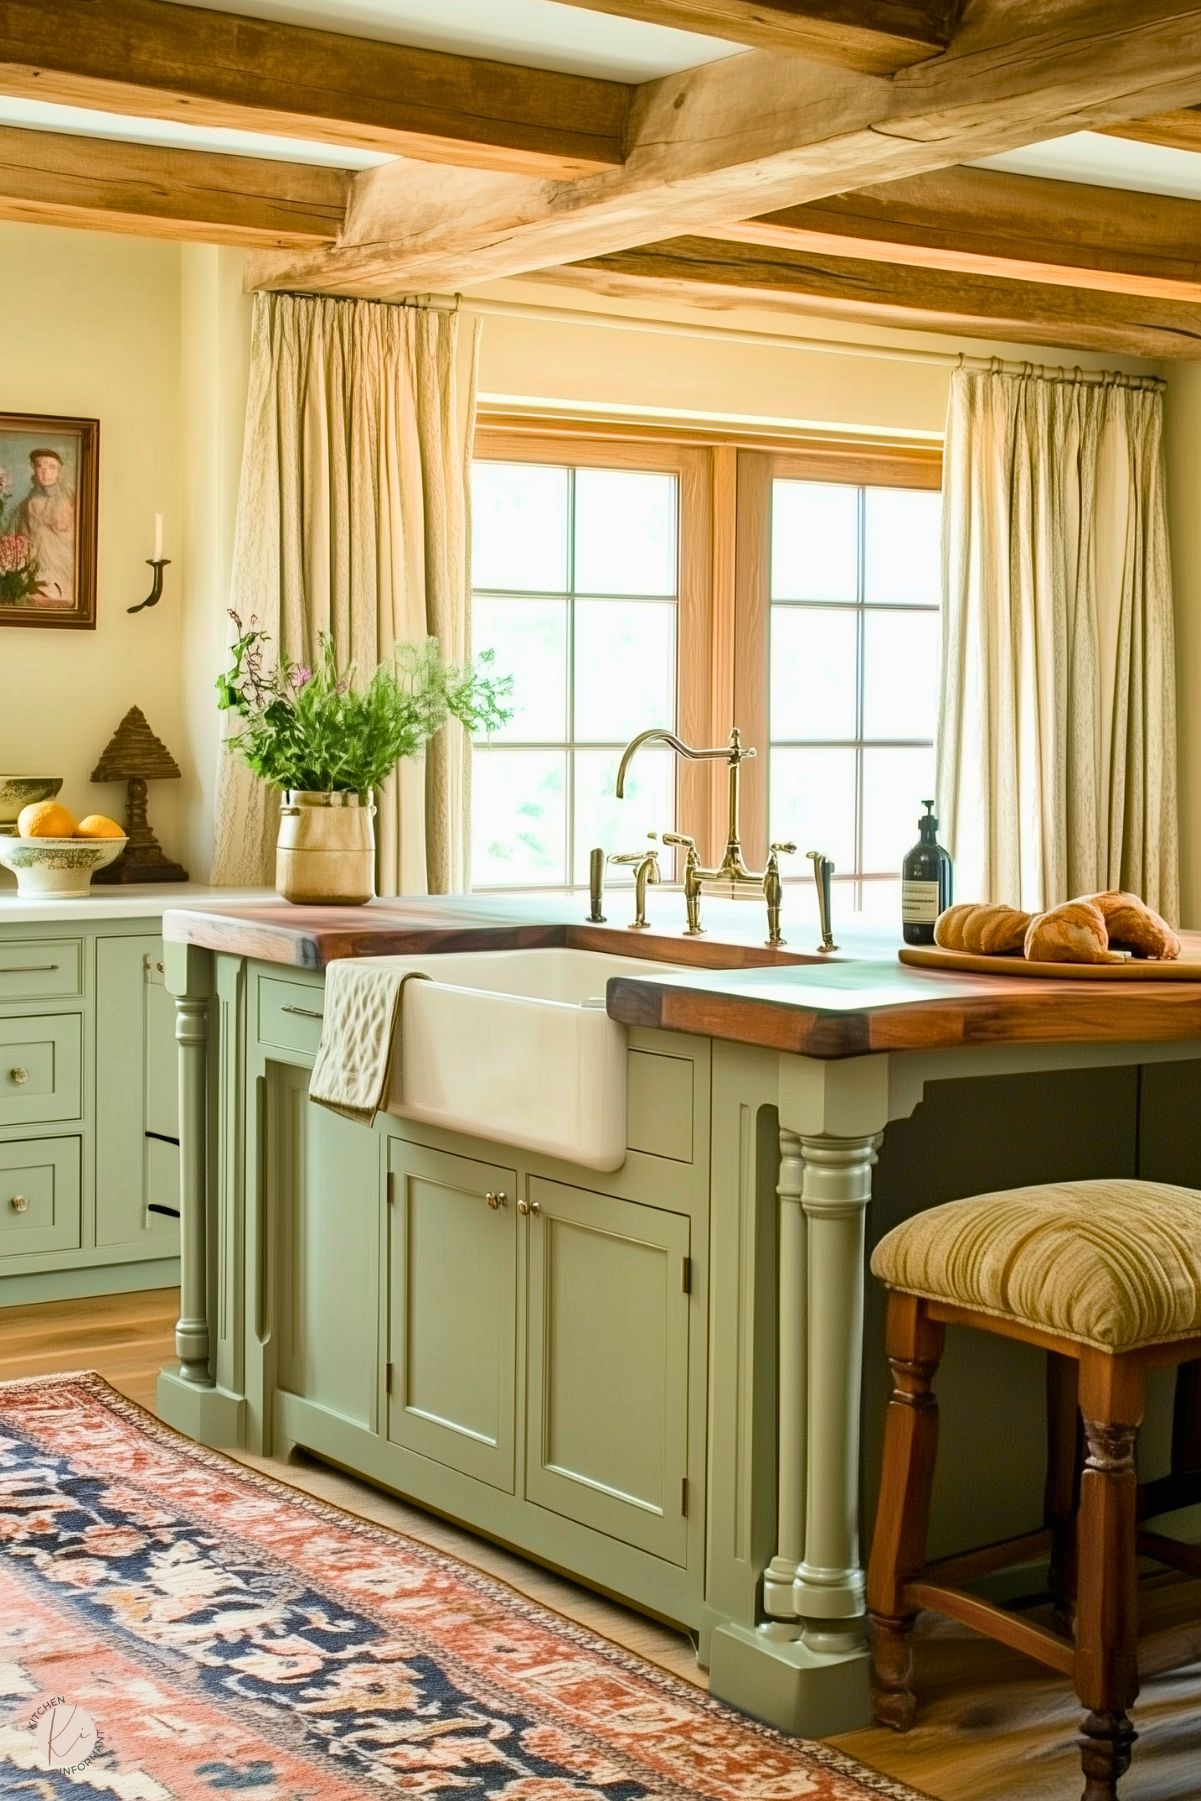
1186	968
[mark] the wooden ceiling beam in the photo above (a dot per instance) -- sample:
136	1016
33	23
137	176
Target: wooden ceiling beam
876	36
707	272
1179	130
985	222
163	61
54	178
761	132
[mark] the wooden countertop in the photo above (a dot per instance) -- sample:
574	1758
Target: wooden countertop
861	1001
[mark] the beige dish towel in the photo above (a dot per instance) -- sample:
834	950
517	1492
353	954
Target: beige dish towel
360	1037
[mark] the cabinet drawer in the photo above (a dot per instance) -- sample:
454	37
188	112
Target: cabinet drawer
40	1069
48	969
289	1015
39	1197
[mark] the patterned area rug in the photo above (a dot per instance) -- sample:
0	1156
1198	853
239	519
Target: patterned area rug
173	1626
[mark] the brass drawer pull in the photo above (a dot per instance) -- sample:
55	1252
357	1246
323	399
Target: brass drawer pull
19	1203
18	1075
499	1199
27	969
304	1012
524	1207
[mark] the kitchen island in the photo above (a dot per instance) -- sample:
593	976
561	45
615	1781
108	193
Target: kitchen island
653	1379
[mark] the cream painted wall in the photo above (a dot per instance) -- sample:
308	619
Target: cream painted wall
1183	406
91	328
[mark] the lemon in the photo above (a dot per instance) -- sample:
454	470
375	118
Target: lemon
99	825
45	819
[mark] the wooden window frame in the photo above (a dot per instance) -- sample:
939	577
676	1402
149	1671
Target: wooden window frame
698	701
871	466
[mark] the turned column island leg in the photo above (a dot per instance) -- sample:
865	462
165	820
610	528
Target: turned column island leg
192	1327
804	1668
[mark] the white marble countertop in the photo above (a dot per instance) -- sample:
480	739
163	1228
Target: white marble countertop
148	900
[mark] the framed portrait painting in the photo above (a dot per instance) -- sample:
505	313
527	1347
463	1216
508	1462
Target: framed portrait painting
48	520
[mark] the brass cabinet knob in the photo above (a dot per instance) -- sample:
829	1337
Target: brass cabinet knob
499	1199
528	1207
19	1203
18	1075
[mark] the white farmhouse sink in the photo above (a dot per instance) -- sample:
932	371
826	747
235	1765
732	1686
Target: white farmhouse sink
517	1046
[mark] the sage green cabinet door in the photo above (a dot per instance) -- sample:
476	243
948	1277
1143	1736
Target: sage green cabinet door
453	1274
137	1099
325	1196
41	1069
607	1365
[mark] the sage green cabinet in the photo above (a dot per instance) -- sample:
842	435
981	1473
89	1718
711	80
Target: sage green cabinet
89	1127
325	1208
452	1345
607	1365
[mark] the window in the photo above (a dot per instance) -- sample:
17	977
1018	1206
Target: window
839	663
581	585
629	582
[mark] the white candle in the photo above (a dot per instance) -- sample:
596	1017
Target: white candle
158	537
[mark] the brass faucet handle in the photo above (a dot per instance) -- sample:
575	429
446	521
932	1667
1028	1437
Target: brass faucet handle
783	849
680	838
635	856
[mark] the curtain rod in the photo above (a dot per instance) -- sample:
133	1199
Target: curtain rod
946	359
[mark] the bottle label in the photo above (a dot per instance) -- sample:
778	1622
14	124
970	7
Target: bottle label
919	903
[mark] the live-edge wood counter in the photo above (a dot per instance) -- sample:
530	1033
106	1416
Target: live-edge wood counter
859	1002
809	1060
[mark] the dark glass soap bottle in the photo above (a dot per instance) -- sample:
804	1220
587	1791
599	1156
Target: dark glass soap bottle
925	882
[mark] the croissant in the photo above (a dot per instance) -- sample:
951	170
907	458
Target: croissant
1073	933
1134	926
987	928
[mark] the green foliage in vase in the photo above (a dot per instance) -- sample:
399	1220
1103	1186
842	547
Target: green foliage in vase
320	730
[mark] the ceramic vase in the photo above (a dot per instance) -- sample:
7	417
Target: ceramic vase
325	853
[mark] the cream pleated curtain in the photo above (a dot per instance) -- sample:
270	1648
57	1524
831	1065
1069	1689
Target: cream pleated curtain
353	519
1057	738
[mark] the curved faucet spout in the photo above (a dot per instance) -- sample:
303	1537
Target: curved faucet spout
732	753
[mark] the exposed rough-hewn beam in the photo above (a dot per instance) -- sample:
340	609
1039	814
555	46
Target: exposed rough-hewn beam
707	272
212	68
59	179
759	132
1179	130
877	36
985	222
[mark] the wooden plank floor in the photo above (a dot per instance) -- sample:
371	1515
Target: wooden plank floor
993	1726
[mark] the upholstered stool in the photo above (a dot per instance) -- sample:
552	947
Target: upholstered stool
1106	1278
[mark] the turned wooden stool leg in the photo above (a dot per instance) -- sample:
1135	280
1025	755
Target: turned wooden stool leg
1112	1400
1065	1454
914	1345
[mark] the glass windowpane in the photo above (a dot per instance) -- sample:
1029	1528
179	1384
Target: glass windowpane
900	675
902	546
519	817
625	668
622	825
519	527
529	642
813	672
625	532
814	541
812	801
895	782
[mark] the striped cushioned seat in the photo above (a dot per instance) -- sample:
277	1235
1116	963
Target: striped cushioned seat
1113	1264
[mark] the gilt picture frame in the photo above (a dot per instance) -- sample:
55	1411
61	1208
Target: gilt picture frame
48	520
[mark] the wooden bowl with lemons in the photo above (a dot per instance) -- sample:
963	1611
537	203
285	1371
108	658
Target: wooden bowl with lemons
55	858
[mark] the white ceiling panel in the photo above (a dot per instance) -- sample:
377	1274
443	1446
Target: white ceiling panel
1104	162
537	33
43	115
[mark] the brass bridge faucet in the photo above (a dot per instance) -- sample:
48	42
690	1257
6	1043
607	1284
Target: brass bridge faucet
732	873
